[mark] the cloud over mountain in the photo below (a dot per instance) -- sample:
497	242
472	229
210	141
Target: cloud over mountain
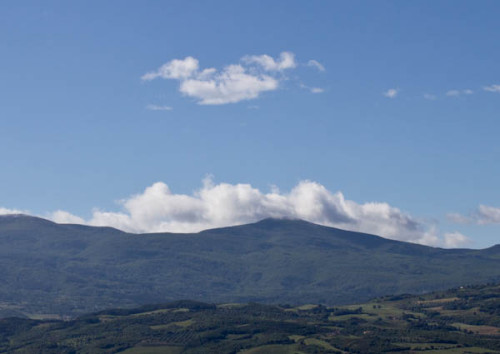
158	209
5	211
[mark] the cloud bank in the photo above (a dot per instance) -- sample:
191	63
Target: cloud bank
158	209
246	80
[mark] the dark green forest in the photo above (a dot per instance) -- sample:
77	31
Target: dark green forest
62	271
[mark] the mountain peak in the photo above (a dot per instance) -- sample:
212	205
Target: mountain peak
23	220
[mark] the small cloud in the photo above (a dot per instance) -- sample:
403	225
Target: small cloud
316	64
317	90
253	107
453	93
430	97
391	93
455	239
286	61
468	92
174	69
153	107
492	88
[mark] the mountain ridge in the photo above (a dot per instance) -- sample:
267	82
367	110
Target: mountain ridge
69	269
278	222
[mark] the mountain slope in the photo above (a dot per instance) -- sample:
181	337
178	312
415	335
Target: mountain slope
71	269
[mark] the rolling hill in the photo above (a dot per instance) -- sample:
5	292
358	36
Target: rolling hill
461	320
66	270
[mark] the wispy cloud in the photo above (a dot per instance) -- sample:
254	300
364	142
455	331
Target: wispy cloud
492	88
430	97
315	64
246	80
317	90
456	93
484	214
391	93
153	107
312	89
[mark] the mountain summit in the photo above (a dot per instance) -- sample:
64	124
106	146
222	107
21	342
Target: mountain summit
71	269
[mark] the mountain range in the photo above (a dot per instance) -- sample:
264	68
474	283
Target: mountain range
49	269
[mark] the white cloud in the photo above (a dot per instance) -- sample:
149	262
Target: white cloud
175	69
63	217
316	64
391	93
467	92
455	239
430	97
484	214
158	209
234	83
5	211
153	107
286	61
492	88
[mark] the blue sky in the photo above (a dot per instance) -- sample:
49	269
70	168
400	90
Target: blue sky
79	135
